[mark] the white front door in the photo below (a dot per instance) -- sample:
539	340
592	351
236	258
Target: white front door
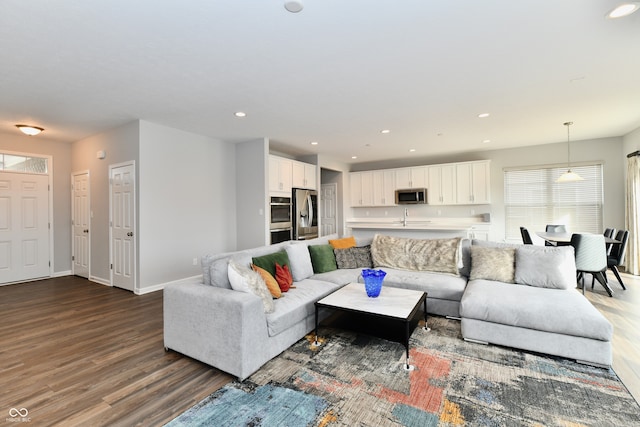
81	224
122	200
24	227
329	209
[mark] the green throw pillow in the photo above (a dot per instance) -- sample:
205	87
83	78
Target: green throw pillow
268	262
322	258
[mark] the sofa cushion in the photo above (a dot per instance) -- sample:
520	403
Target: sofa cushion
344	243
297	304
546	266
437	285
562	311
243	279
493	264
283	277
356	257
439	255
322	258
300	261
218	268
268	262
269	280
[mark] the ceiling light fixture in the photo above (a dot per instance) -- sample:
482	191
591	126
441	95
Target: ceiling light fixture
569	176
240	114
354	157
624	9
412	150
385	131
293	6
314	142
486	141
29	130
483	115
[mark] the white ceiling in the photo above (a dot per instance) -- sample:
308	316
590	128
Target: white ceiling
337	73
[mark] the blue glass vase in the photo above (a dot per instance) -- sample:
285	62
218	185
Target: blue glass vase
373	281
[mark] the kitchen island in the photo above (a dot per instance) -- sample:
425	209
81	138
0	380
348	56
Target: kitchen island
420	228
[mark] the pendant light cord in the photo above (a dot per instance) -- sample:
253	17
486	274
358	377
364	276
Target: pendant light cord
568	125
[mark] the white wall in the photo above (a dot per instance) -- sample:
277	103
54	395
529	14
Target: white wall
252	181
187	199
60	152
120	145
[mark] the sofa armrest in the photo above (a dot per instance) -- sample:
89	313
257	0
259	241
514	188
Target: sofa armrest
221	327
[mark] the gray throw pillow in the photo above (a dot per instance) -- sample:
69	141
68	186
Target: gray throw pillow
546	266
357	257
300	261
492	264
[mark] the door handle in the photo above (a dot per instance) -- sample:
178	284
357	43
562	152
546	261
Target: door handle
85	231
130	234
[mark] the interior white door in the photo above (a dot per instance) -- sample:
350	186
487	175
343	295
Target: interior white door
81	224
24	227
329	210
122	200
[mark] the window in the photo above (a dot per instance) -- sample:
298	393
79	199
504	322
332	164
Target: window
25	164
533	199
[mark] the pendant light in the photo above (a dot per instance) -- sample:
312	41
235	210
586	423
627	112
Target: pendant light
569	176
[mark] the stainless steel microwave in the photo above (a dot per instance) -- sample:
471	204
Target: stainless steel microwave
411	196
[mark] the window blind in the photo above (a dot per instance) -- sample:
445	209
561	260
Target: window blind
533	199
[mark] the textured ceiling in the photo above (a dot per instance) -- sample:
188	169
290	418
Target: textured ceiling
338	72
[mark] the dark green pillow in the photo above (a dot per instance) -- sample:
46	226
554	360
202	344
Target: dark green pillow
322	258
268	262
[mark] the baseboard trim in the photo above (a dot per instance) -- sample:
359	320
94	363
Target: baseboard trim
160	286
100	280
61	273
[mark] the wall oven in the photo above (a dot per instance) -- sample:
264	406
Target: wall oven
280	219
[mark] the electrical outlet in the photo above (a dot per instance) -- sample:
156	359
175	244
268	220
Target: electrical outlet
439	212
473	211
367	213
195	261
386	213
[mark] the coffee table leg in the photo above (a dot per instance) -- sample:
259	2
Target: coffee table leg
315	341
426	327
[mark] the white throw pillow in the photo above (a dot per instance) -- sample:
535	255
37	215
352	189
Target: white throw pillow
244	279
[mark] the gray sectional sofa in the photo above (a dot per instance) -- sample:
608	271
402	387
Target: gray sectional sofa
231	331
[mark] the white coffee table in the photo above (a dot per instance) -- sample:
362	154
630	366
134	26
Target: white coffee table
393	303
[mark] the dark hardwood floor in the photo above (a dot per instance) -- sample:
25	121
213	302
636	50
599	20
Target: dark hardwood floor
74	352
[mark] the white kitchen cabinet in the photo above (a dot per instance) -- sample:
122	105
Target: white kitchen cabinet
473	183
280	170
415	177
384	190
361	186
303	175
442	185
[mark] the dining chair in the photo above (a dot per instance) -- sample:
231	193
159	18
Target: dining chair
553	228
591	257
609	232
526	237
616	255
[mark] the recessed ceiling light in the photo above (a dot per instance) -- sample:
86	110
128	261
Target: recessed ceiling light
314	142
29	130
486	141
354	157
293	6
483	115
240	114
625	9
412	150
385	131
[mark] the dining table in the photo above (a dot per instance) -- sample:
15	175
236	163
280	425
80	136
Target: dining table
565	238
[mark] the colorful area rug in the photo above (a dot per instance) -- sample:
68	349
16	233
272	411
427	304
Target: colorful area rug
358	380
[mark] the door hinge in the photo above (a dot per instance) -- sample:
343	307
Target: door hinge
73	258
49	263
111	267
49	226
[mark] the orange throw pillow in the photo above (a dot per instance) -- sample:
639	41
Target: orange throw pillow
272	284
283	277
344	243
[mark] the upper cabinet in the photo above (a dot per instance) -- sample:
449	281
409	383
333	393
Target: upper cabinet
466	183
442	185
472	183
304	175
279	175
415	177
286	173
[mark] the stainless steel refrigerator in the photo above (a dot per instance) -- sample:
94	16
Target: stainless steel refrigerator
305	214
